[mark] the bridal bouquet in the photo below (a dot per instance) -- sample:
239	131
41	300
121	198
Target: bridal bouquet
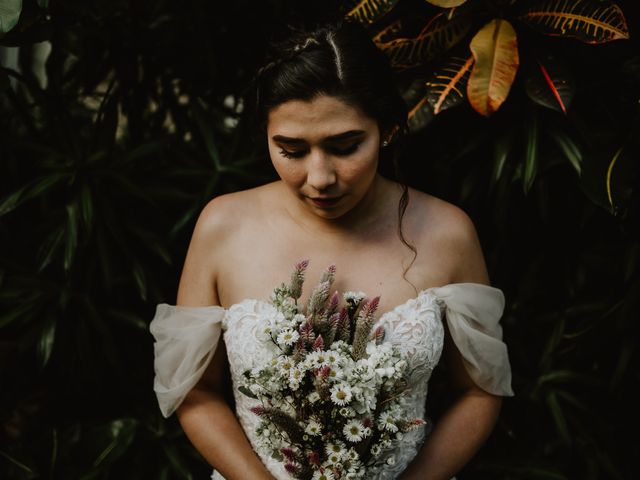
332	395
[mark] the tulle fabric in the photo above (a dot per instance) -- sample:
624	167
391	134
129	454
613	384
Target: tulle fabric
473	313
185	341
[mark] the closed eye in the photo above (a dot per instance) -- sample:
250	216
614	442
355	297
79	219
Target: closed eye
334	150
343	152
292	154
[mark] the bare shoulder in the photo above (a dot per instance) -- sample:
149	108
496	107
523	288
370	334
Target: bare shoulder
451	228
220	222
220	217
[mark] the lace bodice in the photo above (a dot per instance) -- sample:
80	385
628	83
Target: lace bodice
186	338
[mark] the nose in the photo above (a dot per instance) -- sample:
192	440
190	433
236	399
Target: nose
321	173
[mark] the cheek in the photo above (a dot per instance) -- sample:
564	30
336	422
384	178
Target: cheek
288	171
364	165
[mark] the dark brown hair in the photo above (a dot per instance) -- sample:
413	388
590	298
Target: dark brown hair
340	60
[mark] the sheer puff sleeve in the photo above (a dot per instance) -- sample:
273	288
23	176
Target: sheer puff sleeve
185	341
473	313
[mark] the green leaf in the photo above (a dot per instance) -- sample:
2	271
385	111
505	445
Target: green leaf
71	238
141	280
24	310
246	391
9	14
47	340
34	189
86	206
176	462
49	247
558	417
129	318
553	341
121	432
531	153
206	133
568	148
43	3
19	464
501	151
560	376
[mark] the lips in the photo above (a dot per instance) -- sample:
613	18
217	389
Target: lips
325	201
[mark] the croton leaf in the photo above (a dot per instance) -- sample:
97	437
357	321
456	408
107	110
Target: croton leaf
495	51
447	85
446	3
370	11
439	35
389	32
591	21
550	84
9	14
420	111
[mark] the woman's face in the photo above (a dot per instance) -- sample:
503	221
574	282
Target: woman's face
325	151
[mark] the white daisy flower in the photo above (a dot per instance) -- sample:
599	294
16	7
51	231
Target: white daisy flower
353	455
387	422
356	297
295	377
347	412
335	447
354	431
333	459
341	394
317	359
288	337
313	428
376	450
326	474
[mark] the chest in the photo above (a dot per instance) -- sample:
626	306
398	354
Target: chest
257	263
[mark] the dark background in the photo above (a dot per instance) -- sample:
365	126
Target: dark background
104	169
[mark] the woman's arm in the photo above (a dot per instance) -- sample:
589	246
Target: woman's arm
205	416
461	431
469	420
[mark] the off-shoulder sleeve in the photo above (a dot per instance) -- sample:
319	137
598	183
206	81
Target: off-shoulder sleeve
185	341
473	313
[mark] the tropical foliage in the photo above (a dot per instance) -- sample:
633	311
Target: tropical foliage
120	119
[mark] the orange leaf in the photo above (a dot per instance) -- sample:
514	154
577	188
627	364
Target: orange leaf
446	3
446	88
495	51
590	21
370	11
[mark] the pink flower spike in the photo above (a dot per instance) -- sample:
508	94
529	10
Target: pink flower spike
319	343
314	458
289	453
373	304
366	421
291	468
324	371
335	300
258	410
302	265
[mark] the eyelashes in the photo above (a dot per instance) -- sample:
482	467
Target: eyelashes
340	152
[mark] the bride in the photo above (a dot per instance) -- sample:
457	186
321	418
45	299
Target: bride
333	120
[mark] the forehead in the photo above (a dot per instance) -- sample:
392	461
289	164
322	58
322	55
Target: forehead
322	116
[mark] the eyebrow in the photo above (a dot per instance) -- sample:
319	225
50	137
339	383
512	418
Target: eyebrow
331	138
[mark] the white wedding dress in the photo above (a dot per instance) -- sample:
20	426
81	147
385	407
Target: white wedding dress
186	339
